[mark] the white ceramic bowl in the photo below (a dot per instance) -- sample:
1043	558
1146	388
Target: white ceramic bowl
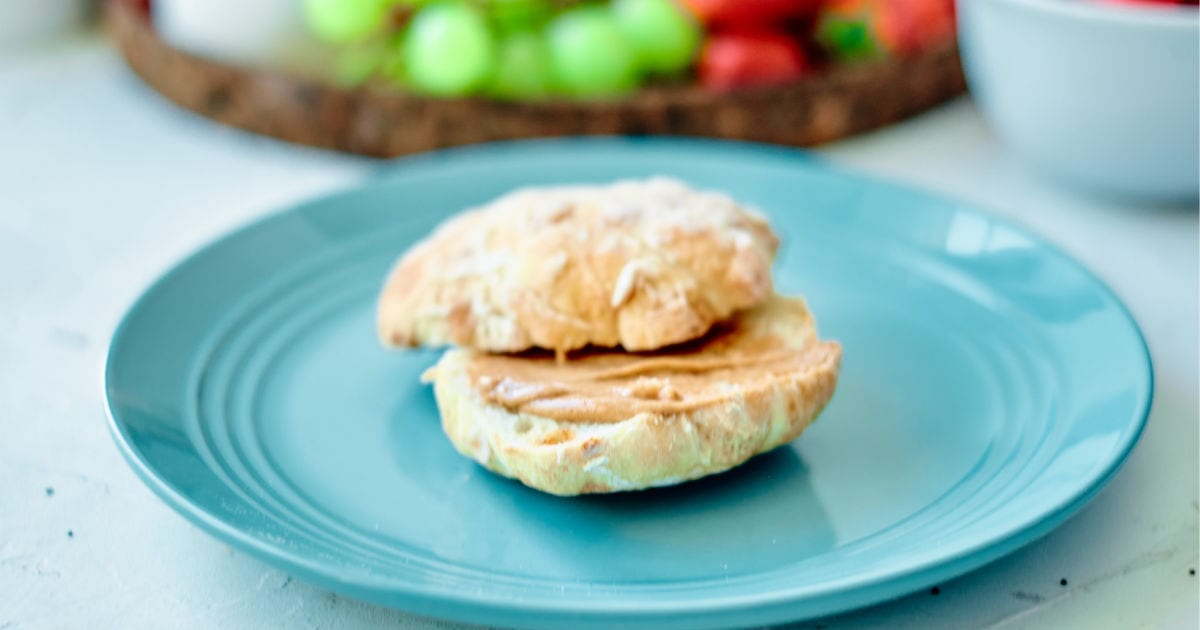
1106	96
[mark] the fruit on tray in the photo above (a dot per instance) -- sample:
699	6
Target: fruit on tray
759	57
588	53
873	29
342	21
664	38
448	49
522	67
535	49
734	13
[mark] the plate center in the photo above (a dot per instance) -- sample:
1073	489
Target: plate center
349	423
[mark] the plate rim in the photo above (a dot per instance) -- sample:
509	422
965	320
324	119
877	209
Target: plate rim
770	607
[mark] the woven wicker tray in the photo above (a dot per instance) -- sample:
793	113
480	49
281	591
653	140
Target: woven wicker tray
380	122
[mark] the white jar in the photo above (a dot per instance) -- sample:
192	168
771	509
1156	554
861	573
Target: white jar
268	33
24	22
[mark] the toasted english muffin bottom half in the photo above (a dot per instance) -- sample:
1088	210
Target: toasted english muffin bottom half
608	421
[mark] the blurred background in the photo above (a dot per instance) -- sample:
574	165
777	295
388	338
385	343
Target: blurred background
1101	94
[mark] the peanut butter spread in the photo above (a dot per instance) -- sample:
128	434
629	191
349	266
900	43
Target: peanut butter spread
733	361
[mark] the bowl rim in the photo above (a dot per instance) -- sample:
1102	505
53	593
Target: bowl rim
1179	16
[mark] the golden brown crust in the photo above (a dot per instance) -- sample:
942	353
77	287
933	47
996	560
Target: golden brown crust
640	265
568	458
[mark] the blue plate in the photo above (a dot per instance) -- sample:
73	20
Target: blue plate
990	386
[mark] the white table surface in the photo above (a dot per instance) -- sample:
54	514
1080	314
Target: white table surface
103	184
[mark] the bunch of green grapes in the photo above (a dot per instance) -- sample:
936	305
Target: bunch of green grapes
508	49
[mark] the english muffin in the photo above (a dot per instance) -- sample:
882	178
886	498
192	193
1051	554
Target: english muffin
637	264
607	420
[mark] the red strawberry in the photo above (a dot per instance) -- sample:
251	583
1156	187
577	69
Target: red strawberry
868	29
739	59
751	12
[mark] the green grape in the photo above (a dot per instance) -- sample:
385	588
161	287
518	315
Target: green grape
588	54
522	68
519	15
448	49
391	64
356	63
341	21
664	37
